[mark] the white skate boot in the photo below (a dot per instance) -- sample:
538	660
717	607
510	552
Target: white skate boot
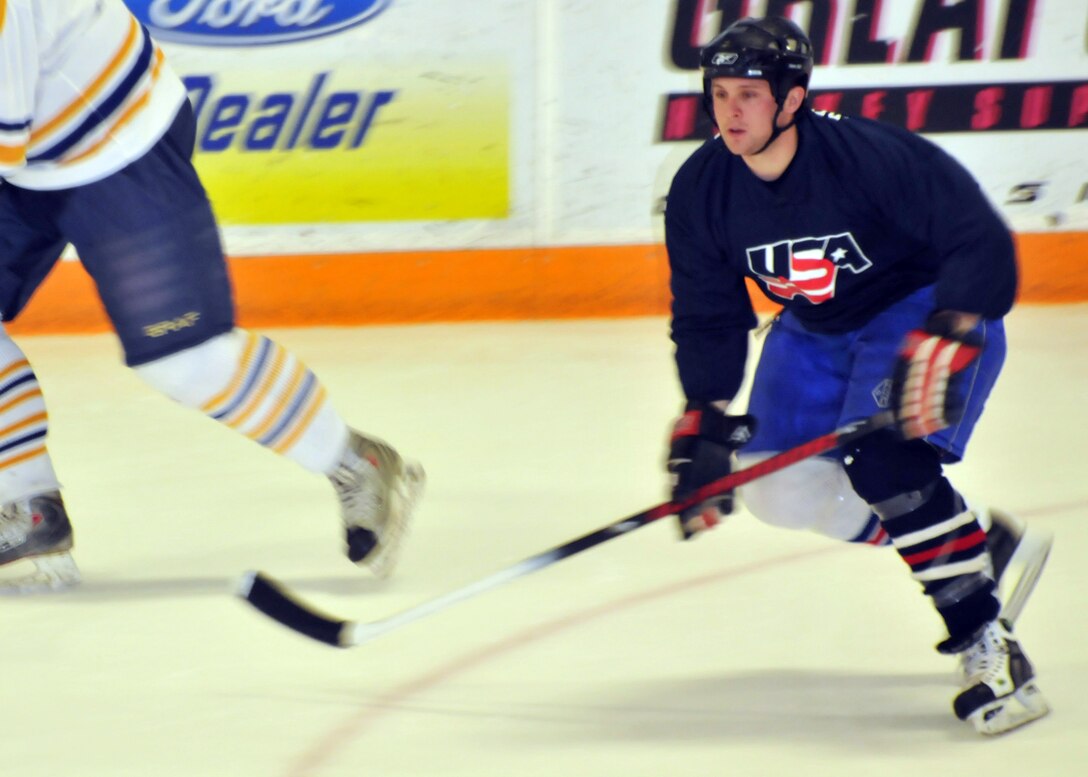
378	491
1019	554
37	529
1000	693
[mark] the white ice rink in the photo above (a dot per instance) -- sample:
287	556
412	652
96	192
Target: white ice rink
752	652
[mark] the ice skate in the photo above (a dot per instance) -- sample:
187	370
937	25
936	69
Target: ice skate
36	529
1018	553
999	693
378	491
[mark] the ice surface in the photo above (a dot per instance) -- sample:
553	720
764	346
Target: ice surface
753	651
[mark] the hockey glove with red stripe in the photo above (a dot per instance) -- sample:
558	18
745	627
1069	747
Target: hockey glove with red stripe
700	452
927	391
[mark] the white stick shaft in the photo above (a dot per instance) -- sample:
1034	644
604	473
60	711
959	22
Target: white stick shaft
364	632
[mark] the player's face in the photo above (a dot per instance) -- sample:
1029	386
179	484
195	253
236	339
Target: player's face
744	110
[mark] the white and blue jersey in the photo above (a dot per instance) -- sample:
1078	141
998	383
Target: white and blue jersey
84	91
869	230
96	143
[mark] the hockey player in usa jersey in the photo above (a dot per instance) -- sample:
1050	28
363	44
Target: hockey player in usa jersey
96	135
893	272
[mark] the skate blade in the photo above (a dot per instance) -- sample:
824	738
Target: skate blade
383	559
1010	712
53	572
1029	559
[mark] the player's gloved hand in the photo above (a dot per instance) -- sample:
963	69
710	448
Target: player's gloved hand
700	452
927	391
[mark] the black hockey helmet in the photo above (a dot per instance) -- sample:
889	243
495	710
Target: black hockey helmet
772	49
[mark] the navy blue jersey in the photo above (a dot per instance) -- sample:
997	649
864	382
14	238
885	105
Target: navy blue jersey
866	214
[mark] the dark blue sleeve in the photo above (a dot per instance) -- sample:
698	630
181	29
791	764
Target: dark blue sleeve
711	308
940	201
978	273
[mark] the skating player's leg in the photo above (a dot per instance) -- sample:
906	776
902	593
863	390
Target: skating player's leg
816	495
941	541
148	237
258	388
34	525
944	369
807	384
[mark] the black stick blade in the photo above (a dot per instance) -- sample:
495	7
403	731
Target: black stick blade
269	597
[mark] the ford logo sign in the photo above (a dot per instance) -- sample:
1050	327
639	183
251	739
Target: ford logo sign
250	22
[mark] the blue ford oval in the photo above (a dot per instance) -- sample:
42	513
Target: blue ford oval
251	22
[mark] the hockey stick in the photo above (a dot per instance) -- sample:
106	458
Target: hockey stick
274	600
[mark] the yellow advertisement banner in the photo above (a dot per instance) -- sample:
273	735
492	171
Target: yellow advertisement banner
348	145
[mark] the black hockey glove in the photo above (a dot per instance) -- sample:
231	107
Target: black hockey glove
700	452
927	390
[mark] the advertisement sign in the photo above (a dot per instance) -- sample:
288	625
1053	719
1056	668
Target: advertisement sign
252	23
302	118
347	144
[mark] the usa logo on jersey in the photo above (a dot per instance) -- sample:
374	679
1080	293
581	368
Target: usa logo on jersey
807	267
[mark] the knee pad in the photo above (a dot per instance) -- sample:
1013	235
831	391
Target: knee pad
881	466
195	375
814	494
902	481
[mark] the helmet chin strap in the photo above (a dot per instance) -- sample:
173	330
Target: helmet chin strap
775	129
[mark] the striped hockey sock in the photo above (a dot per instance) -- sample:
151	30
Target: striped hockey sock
25	466
259	389
945	547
